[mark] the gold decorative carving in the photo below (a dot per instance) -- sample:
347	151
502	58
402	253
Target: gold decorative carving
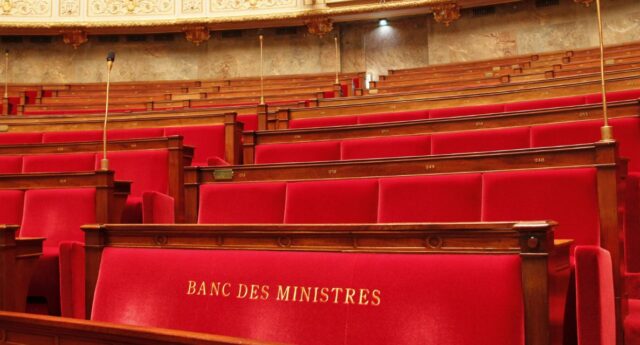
586	3
197	34
26	7
232	5
446	13
191	6
130	7
319	26
74	37
69	8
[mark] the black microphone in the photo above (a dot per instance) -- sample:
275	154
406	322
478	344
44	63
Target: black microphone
104	163
111	56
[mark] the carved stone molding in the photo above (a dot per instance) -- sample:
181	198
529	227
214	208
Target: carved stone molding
319	26
130	7
586	3
191	6
74	38
230	5
197	34
23	8
69	8
446	13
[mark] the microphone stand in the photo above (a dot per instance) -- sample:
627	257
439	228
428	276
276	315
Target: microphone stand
104	162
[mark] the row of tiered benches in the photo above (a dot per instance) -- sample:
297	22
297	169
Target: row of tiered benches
582	179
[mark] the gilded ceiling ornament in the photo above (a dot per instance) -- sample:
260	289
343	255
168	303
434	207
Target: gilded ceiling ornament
319	26
6	6
197	34
225	5
446	13
130	7
74	37
586	3
69	8
25	7
191	6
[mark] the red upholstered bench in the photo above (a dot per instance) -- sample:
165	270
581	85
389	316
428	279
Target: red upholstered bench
11	210
20	138
395	146
614	96
298	152
71	136
464	111
261	203
393	117
480	140
323	121
10	164
351	298
64	162
545	103
208	141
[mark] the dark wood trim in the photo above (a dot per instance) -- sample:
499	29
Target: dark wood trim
38	329
5	106
232	138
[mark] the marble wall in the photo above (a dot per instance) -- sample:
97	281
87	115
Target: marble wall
514	29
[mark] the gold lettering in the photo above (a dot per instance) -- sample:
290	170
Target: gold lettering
225	289
363	297
254	291
315	294
283	294
295	293
265	292
243	290
305	294
215	289
324	295
348	298
202	290
337	292
192	287
375	296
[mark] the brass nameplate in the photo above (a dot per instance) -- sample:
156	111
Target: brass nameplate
285	293
4	128
223	174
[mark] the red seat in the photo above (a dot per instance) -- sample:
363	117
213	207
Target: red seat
136	133
595	304
297	152
71	136
337	201
11	210
480	140
467	110
393	117
208	141
59	162
568	196
444	198
10	164
250	122
416	145
237	203
57	215
20	138
352	298
323	121
612	96
545	103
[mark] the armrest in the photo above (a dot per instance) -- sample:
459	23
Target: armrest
216	161
157	208
71	265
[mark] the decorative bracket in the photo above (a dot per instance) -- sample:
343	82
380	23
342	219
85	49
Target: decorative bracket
197	34
319	26
74	37
446	13
7	6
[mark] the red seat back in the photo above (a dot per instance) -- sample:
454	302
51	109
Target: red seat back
20	138
148	170
545	103
208	141
613	96
241	203
480	140
57	214
71	136
337	201
467	110
568	196
136	133
59	162
298	152
11	210
316	298
10	164
323	121
416	145
443	198
395	116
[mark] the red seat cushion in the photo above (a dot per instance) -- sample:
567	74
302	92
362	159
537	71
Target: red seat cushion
443	198
250	122
57	214
595	306
11	210
59	162
136	133
337	201
416	145
298	152
467	110
567	196
545	103
393	117
10	164
613	96
237	203
148	170
480	140
632	323
71	136
45	281
20	138
323	121
352	298
208	141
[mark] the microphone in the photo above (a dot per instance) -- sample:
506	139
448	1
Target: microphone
104	163
6	73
